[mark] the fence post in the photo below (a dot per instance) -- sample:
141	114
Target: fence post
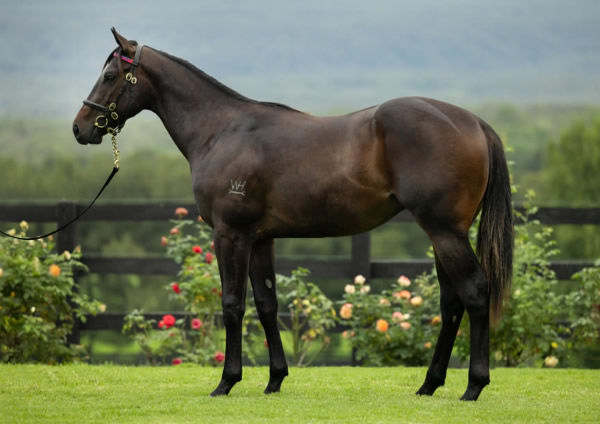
361	255
65	240
361	264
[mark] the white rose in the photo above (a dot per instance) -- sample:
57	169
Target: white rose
359	280
350	289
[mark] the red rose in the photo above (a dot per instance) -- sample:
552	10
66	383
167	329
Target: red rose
168	320
196	324
161	324
209	257
177	361
197	249
175	287
219	356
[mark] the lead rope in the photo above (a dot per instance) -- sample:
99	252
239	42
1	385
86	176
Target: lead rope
114	171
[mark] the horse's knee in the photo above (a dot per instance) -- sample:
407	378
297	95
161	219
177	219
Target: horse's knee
233	311
267	310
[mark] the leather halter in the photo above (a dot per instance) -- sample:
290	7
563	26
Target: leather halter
109	113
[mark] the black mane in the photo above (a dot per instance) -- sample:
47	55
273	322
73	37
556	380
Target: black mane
219	85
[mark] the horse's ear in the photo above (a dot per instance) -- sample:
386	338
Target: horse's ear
127	48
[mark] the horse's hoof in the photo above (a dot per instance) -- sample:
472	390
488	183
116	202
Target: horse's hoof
428	388
222	389
425	390
472	393
274	385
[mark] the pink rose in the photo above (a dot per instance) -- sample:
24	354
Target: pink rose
196	324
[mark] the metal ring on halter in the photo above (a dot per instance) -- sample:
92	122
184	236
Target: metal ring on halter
97	124
112	131
112	107
114	116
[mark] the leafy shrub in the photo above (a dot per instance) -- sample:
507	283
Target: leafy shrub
540	326
198	336
38	301
398	326
311	315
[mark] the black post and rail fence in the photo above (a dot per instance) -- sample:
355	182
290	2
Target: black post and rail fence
360	261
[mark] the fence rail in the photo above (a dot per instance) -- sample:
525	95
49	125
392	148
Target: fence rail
360	261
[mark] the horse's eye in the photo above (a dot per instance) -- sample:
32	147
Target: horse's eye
109	77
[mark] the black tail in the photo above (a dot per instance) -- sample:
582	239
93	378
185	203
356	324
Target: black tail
495	238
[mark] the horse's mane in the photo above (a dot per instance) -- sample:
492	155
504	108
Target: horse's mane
218	85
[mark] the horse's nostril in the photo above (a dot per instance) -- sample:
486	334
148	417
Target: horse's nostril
75	130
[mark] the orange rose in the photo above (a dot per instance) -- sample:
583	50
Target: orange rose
403	294
54	270
436	320
181	212
346	311
416	301
382	325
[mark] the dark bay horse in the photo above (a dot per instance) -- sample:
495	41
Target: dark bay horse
264	170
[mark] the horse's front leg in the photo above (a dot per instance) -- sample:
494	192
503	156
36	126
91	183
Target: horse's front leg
233	253
262	276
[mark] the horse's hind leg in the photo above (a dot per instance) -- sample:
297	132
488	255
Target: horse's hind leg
462	272
262	276
452	312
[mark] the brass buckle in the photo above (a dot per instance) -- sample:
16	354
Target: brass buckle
129	77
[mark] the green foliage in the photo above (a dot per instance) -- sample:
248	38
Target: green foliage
38	300
311	315
398	326
196	338
585	300
540	325
572	164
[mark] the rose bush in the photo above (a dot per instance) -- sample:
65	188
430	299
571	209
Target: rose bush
38	301
397	326
541	325
311	315
198	336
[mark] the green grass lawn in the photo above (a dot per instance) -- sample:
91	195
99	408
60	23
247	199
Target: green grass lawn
107	394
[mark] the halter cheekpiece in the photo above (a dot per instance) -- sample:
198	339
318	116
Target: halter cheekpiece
109	118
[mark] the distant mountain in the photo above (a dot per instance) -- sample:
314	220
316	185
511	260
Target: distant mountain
321	56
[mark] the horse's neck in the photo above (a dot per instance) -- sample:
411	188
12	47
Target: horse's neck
191	107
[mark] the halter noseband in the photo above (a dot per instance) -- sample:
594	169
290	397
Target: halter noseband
109	113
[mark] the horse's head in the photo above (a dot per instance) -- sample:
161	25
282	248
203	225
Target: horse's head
114	98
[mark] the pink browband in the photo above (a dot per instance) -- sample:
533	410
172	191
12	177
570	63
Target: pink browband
125	58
